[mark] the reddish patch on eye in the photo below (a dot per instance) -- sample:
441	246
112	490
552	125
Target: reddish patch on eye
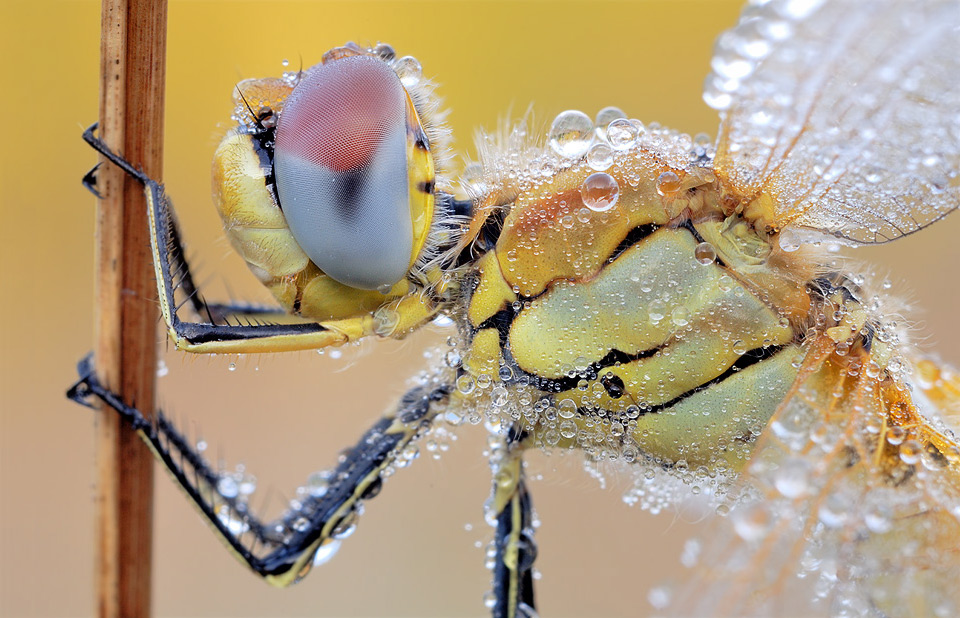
340	112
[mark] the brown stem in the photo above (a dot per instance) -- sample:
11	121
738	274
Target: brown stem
132	50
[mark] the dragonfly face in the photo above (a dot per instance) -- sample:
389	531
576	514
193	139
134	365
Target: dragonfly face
626	291
351	163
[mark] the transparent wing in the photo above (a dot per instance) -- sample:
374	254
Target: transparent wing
846	113
856	508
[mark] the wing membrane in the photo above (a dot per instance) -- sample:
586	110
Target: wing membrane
845	113
858	511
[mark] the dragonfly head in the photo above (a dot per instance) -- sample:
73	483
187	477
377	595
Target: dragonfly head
328	187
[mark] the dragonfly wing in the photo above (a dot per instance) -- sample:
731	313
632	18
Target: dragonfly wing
855	507
846	116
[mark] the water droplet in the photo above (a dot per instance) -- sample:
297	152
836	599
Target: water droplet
878	518
680	316
570	134
318	483
232	367
409	70
799	9
896	435
326	551
385	321
566	408
248	485
608	114
691	553
600	157
346	527
227	487
705	253
668	183
789	240
621	133
792	480
385	51
656	310
910	452
228	518
600	192
752	522
452	359
659	597
835	510
489	599
443	321
715	95
568	429
410	452
499	396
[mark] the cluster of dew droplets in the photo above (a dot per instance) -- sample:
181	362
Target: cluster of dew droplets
609	141
613	138
605	435
236	487
739	51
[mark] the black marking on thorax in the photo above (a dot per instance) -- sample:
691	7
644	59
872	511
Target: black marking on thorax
490	232
633	237
592	372
748	359
503	321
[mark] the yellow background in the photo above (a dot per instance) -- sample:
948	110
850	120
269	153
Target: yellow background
285	417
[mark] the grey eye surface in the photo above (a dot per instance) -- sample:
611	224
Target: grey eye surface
341	171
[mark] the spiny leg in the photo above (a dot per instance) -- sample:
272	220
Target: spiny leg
281	551
230	327
516	549
182	274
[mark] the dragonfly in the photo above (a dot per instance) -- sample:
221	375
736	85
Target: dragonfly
669	303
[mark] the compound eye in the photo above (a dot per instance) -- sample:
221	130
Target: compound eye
341	170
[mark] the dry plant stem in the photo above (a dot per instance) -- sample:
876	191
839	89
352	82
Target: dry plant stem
132	54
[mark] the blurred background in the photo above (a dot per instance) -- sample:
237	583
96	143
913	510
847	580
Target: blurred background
418	549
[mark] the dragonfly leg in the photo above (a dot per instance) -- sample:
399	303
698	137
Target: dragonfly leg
281	551
516	549
222	327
